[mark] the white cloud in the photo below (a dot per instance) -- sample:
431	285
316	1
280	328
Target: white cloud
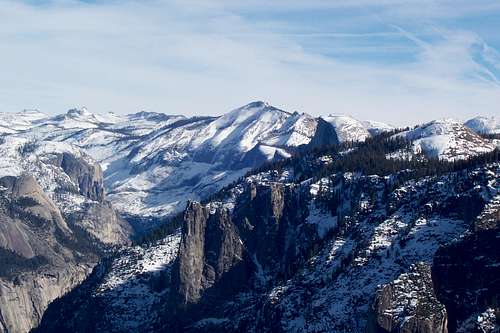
206	57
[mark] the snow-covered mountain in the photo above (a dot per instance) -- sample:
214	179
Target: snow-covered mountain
146	155
351	213
447	139
153	163
315	244
194	157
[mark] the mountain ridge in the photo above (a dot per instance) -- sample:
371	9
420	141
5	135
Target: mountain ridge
309	245
262	196
145	153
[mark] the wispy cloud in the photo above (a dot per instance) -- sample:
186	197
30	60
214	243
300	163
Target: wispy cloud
398	61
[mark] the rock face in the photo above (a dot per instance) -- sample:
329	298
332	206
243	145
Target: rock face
25	299
54	226
325	135
38	262
223	252
88	177
101	221
210	249
408	305
27	214
268	218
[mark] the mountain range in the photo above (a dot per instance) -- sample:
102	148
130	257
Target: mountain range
145	155
259	220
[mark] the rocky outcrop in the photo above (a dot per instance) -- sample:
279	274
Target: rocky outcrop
325	135
268	222
37	263
97	216
24	300
408	305
223	252
45	252
210	250
87	176
102	222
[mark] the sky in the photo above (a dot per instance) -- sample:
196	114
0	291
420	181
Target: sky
399	62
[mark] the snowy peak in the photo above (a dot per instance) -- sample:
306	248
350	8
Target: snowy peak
447	139
193	156
77	113
484	125
31	114
255	111
74	118
258	105
297	130
435	127
243	128
85	116
348	128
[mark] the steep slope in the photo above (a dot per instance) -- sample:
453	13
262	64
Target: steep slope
305	247
54	226
126	294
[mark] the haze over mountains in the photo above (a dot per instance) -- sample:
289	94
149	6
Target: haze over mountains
259	220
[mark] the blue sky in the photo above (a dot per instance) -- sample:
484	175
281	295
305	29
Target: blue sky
397	61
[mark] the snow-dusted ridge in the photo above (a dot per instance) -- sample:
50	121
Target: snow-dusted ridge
153	162
348	128
447	139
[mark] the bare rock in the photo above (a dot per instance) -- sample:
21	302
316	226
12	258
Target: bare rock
408	305
210	248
